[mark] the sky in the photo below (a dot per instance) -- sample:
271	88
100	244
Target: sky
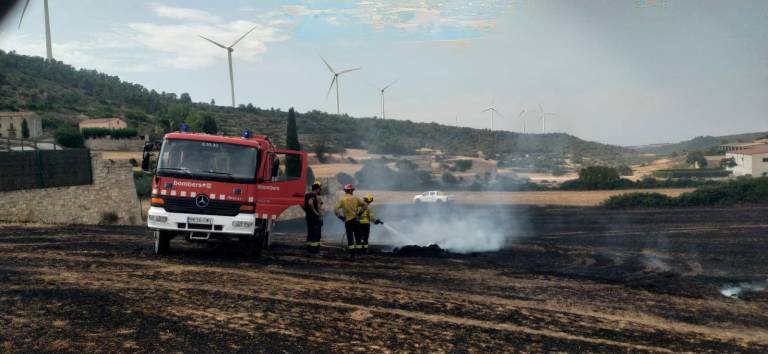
621	72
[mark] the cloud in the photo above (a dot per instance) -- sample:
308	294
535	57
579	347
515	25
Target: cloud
181	13
433	17
155	46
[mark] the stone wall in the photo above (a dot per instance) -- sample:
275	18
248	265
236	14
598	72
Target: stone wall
112	191
108	144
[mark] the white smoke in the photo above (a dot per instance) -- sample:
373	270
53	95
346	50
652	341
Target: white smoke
455	228
734	291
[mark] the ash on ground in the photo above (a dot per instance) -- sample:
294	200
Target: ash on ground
432	250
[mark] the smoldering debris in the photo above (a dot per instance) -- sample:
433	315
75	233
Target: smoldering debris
737	291
419	251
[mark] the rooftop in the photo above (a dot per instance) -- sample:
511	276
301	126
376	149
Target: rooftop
759	149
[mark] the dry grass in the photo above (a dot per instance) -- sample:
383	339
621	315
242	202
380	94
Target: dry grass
568	198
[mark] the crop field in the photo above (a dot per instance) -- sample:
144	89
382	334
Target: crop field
573	279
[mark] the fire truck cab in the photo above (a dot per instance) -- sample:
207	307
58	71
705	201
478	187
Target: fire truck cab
210	188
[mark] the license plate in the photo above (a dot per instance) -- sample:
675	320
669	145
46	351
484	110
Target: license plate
199	220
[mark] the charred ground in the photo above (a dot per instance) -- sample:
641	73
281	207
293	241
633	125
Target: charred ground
573	279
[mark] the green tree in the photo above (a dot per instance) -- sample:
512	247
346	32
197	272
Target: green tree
185	98
728	163
696	159
321	151
449	178
69	137
598	177
624	170
292	162
24	129
213	102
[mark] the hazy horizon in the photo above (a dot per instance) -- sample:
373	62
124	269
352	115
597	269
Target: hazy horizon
625	73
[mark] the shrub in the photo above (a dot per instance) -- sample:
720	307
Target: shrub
692	173
449	178
344	178
69	137
90	133
639	200
321	151
463	165
624	170
740	191
124	133
109	218
598	177
143	183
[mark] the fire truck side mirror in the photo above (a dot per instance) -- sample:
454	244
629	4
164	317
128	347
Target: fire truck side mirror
146	156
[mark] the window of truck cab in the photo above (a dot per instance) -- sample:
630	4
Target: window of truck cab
207	160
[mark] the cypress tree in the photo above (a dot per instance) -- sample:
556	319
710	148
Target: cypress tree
24	129
292	162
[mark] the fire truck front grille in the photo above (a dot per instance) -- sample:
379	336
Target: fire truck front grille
215	207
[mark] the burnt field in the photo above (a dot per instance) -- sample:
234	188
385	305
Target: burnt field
571	279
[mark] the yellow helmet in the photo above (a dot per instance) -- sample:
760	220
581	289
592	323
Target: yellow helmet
317	183
368	198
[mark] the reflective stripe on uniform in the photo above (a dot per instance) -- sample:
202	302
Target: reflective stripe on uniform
313	244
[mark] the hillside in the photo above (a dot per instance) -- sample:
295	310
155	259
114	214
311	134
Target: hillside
699	143
61	93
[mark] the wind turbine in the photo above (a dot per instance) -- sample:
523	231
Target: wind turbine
542	116
493	111
383	114
230	49
335	80
48	49
522	120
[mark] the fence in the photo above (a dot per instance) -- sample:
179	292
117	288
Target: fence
44	169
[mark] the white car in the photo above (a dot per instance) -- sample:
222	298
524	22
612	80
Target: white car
433	197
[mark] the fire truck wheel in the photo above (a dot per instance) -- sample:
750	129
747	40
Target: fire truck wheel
252	246
162	242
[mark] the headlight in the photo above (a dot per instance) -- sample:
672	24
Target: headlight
158	218
237	223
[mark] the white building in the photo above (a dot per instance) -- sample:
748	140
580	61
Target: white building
750	162
11	122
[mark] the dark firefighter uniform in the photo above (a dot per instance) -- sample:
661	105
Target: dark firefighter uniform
366	218
313	214
352	207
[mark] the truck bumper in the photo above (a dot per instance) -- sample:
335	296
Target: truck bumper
240	224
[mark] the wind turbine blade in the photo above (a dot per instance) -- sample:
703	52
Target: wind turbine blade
521	114
330	87
23	11
328	65
216	43
486	110
348	70
243	36
499	113
390	84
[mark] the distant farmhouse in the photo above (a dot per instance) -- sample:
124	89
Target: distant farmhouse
742	146
11	122
107	123
751	161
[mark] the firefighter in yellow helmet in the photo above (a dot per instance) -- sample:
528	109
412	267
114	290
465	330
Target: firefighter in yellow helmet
349	209
365	221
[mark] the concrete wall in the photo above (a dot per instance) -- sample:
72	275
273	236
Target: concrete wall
107	144
112	191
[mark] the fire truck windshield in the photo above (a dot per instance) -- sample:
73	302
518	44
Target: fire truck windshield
208	161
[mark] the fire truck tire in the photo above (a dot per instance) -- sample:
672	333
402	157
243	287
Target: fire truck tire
162	242
252	246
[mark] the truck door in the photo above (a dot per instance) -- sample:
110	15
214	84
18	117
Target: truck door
283	181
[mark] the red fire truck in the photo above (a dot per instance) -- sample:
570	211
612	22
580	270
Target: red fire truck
210	188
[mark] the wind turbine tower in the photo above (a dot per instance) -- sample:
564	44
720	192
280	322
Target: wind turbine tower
542	117
493	111
523	119
230	49
383	112
48	48
335	81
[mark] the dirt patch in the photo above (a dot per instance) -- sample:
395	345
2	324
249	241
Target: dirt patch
581	280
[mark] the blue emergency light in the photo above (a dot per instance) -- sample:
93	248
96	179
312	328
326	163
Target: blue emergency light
246	134
184	128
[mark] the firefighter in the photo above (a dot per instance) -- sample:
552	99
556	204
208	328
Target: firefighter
313	212
349	209
365	221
